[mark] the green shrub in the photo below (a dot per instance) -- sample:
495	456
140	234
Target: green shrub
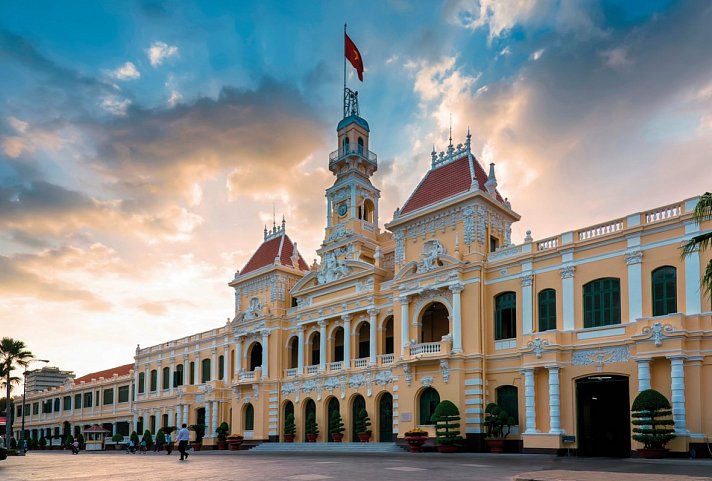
80	440
117	438
148	437
312	427
34	443
13	443
199	432
497	422
290	428
135	439
222	431
42	442
336	425
363	422
160	438
68	440
653	425
446	417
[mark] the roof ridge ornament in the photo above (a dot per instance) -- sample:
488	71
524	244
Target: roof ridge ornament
453	153
491	184
275	232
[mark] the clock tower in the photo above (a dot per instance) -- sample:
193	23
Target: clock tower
352	202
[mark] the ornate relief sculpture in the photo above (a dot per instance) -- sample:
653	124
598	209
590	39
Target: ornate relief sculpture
432	250
332	269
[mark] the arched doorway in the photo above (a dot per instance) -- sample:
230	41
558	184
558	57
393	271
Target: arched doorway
429	400
338	343
293	347
357	404
249	421
200	417
434	323
331	407
309	408
314	349
255	356
364	340
603	416
385	418
288	409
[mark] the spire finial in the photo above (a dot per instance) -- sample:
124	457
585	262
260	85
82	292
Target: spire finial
274	216
283	222
450	128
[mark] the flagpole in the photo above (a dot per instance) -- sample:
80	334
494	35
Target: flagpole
344	54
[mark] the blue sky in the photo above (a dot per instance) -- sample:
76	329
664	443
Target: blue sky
144	144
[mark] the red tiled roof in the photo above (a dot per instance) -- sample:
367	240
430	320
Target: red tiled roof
121	371
445	181
280	246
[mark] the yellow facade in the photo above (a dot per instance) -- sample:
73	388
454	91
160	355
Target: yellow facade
442	304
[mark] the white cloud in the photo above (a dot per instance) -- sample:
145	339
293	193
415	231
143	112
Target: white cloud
20	126
617	58
127	71
115	105
505	51
537	55
159	51
174	98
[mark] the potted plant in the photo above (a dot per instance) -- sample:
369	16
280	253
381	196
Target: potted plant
311	428
135	439
336	426
160	440
415	439
234	441
498	424
447	417
199	433
148	438
653	423
42	442
221	432
117	439
80	440
34	442
363	422
68	441
290	428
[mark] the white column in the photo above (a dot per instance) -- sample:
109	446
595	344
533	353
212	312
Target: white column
554	400
529	401
171	416
456	318
226	365
159	378
172	374
567	295
372	342
135	384
185	414
347	340
146	422
677	375
322	345
214	423
214	364
527	304
300	351
238	355
146	381
405	322
135	422
208	418
179	416
643	374
265	354
634	259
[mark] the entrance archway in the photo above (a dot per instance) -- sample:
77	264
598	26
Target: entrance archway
255	356
309	408
357	404
385	418
603	416
331	407
434	323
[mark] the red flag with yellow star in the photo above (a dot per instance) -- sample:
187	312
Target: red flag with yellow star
353	56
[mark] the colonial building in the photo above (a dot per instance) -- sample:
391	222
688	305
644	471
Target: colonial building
562	332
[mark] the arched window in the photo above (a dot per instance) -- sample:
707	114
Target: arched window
309	408
178	376
429	400
357	404
388	336
205	370
166	378
505	316
192	373
364	340
141	382
345	146
602	302
547	310
154	380
315	344
360	146
368	210
221	367
293	352
249	418
664	282
434	323
338	343
507	399
255	356
164	421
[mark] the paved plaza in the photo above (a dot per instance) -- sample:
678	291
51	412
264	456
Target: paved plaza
216	465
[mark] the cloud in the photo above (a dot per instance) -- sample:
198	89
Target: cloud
127	71
115	105
159	51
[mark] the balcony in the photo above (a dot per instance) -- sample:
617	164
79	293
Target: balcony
361	362
290	372
312	369
386	359
425	348
336	366
246	376
356	150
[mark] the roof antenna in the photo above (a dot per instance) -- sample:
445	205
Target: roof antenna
450	128
274	216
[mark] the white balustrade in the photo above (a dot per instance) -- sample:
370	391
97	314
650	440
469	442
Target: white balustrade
336	366
313	369
662	213
550	243
290	372
246	375
386	358
425	348
601	229
361	362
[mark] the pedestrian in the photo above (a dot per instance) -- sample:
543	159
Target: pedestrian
169	443
182	438
24	446
130	447
143	446
75	447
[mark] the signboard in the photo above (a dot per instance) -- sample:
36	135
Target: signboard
568	439
406	417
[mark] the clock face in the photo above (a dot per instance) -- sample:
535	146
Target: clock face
342	210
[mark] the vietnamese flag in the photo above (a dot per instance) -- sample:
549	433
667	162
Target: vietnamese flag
353	56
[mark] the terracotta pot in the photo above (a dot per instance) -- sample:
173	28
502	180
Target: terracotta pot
364	437
447	448
311	438
222	445
196	446
337	437
415	443
289	438
653	453
495	445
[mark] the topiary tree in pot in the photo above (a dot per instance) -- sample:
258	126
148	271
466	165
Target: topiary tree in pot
68	441
136	441
290	428
498	424
80	440
148	438
42	443
199	433
117	439
446	418
311	428
336	426
160	440
653	423
222	431
363	424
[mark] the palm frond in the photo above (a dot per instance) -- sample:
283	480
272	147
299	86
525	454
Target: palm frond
696	243
703	209
706	280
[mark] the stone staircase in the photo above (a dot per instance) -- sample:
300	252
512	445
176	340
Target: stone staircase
337	448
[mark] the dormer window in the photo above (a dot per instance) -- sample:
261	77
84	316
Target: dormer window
494	243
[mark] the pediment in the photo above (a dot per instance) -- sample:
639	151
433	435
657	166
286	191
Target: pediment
336	273
417	268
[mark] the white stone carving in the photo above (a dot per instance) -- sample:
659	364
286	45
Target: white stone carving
356	381
399	236
287	389
427	381
445	370
504	251
332	269
481	224
537	346
364	286
254	309
246	400
330	384
600	356
309	386
256	391
432	250
657	332
408	373
507	233
633	257
469	224
383	378
567	272
342	384
527	280
339	231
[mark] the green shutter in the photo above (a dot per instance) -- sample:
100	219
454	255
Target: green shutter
664	285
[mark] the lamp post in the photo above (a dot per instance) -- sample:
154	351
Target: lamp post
24	391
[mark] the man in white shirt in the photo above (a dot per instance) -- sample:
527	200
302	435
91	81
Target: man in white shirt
182	438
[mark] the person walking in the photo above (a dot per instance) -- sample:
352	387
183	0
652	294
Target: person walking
182	438
169	444
75	447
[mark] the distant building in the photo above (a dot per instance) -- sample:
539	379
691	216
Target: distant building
45	378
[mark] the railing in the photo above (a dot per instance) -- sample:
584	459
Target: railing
290	372
361	362
359	150
601	229
550	243
386	358
336	366
313	369
425	348
246	375
663	213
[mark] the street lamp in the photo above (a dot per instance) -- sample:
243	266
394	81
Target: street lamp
24	391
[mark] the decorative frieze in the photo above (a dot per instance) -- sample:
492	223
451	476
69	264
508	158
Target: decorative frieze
633	257
427	381
527	280
600	356
468	215
431	252
657	332
567	272
445	370
332	269
481	224
339	231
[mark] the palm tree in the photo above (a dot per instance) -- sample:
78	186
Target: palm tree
12	353
703	212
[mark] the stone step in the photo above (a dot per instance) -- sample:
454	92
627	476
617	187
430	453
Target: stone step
327	447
